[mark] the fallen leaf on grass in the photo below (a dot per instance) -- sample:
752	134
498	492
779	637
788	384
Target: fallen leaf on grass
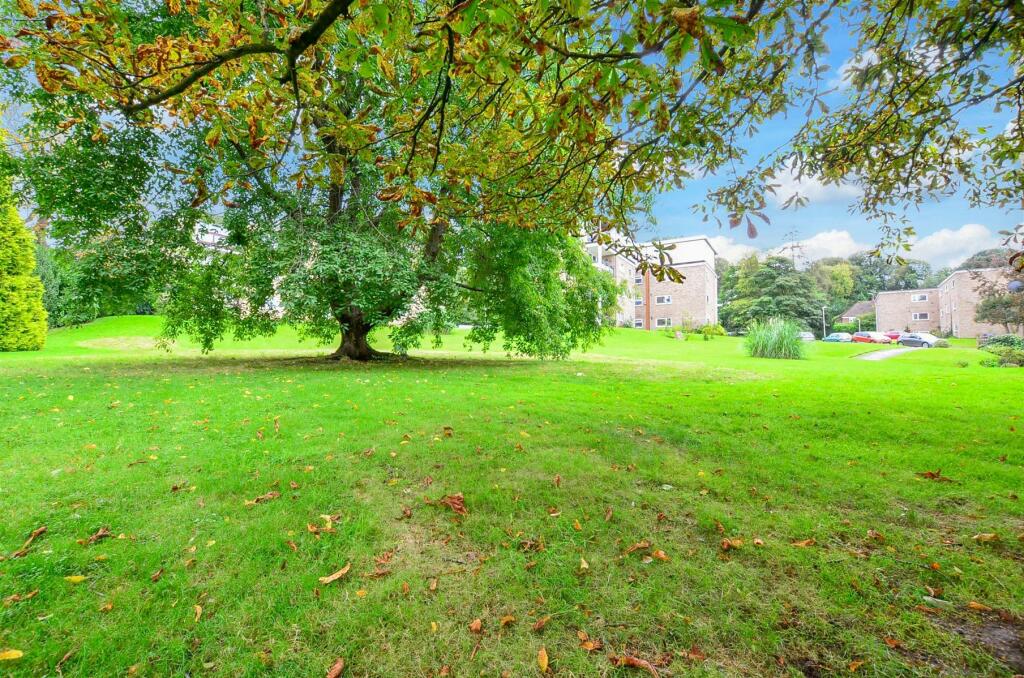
978	607
634	662
106	607
935	475
856	664
336	668
269	496
336	576
694	654
892	642
75	578
455	502
587	643
155	577
540	623
292	545
507	619
28	542
985	537
20	597
102	533
638	546
476	626
377	573
803	543
199	612
11	655
658	554
542	659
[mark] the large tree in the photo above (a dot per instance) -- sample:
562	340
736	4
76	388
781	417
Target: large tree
545	117
772	288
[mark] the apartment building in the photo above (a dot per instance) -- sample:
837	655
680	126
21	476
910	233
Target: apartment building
649	303
946	309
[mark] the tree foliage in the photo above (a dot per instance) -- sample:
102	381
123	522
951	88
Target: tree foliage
772	288
22	317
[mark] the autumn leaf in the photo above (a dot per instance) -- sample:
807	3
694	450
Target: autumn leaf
541	623
542	659
10	655
336	576
19	597
455	502
978	607
985	537
198	609
935	475
804	543
155	577
269	496
75	578
659	554
634	662
856	664
28	542
336	668
892	642
507	619
102	533
476	626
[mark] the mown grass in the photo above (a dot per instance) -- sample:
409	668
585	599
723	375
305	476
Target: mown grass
686	443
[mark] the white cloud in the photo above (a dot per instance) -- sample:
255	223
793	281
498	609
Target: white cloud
949	247
729	249
832	243
850	67
811	188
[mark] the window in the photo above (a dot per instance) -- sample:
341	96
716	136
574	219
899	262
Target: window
663	322
663	299
919	297
638	323
920	316
639	301
638	280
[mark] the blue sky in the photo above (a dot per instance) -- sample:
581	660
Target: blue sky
947	231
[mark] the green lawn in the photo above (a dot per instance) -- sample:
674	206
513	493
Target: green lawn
564	466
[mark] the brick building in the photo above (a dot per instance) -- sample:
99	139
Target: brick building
651	304
946	309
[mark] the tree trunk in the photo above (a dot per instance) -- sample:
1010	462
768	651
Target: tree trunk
354	345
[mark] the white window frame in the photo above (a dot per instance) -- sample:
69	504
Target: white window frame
638	323
638	301
923	315
663	299
638	280
663	322
917	298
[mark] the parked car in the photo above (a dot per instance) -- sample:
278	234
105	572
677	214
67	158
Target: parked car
894	335
840	337
806	336
924	339
871	338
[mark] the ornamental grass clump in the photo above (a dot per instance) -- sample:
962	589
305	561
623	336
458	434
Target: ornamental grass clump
774	338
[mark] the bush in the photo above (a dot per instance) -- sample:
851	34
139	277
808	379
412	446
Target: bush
1007	340
849	328
22	317
941	343
1005	356
774	338
710	331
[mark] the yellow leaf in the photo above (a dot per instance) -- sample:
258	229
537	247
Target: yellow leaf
28	9
199	612
584	565
11	655
978	607
986	537
337	575
75	578
16	61
542	660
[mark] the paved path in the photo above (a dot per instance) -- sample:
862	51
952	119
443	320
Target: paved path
888	353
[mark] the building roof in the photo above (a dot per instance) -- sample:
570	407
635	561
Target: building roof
858	309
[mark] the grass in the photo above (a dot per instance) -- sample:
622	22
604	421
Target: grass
681	443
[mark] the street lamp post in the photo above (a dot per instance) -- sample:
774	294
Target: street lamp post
823	330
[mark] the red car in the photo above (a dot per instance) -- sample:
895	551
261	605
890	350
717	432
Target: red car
893	335
871	338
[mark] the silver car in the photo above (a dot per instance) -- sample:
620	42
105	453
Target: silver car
925	339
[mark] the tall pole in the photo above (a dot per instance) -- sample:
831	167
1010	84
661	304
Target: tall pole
823	330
